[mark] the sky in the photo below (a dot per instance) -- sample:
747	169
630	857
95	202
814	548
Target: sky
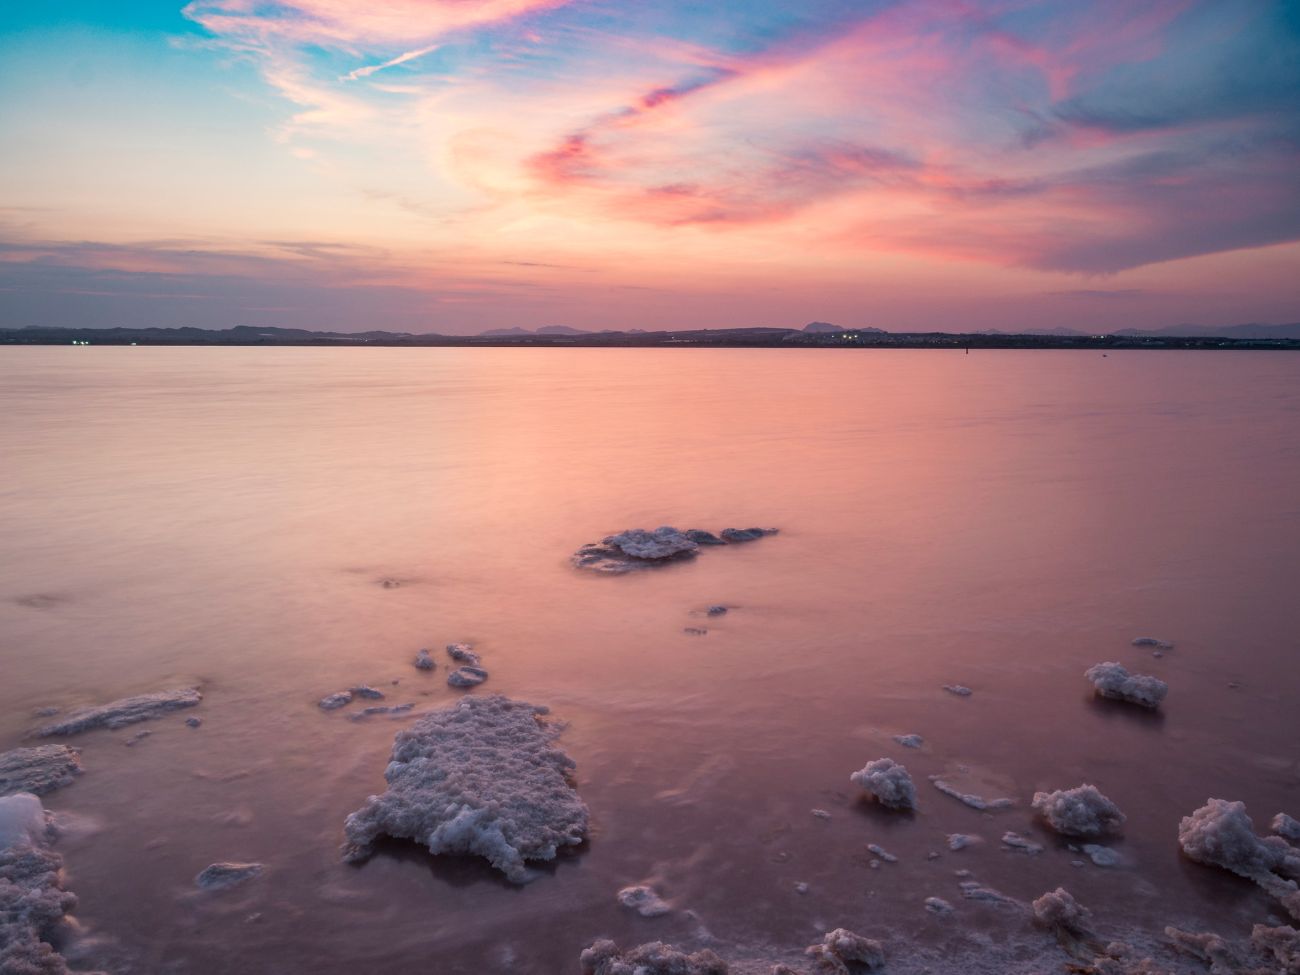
457	165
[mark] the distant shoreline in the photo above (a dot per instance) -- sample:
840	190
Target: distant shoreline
742	338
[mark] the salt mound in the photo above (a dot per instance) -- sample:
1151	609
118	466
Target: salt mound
1113	681
32	899
1058	910
644	901
840	946
1082	811
423	661
1222	835
655	958
37	770
482	778
121	713
888	782
910	741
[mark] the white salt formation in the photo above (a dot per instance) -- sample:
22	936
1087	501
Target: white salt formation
1059	911
655	958
1082	811
480	778
974	801
838	948
219	876
119	714
423	661
1287	828
644	901
1113	681
38	770
467	677
1222	835
334	701
33	902
463	653
888	782
959	841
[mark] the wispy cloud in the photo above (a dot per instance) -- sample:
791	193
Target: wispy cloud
368	70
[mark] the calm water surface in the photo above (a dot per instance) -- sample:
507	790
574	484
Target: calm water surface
1001	520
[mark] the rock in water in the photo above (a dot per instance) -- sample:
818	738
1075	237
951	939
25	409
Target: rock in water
219	876
367	692
888	782
119	714
467	677
32	899
700	537
1082	811
1222	835
636	548
1113	681
655	958
481	778
37	770
746	534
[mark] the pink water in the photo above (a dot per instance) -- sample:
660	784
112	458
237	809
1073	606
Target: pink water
1001	520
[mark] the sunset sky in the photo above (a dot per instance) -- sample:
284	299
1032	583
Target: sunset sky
456	165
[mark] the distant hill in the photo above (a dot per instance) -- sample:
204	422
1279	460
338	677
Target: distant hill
562	330
826	328
1032	331
1250	331
501	332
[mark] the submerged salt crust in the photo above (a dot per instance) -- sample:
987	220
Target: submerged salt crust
480	778
119	714
38	770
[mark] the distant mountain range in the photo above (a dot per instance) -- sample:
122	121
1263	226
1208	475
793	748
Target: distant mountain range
1251	331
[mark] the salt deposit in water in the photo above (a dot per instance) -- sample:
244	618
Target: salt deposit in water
1287	828
463	653
1081	811
959	841
974	801
1221	834
119	714
220	876
1113	681
38	770
381	709
888	782
1059	911
482	778
423	661
1282	942
656	958
1150	641
644	901
467	677
1102	856
1017	842
881	852
367	692
842	947
960	690
937	905
33	903
910	741
637	548
333	701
